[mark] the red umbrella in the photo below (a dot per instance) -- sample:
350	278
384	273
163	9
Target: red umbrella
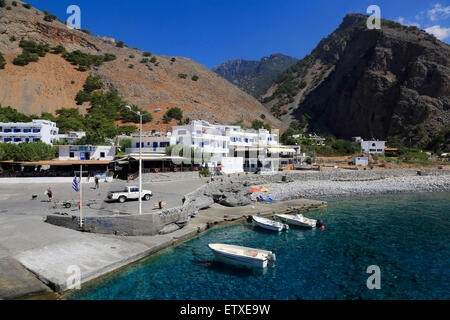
254	190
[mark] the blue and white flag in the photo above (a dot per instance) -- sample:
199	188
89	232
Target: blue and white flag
75	184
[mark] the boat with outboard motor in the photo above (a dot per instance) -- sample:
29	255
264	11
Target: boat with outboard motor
243	256
300	220
269	224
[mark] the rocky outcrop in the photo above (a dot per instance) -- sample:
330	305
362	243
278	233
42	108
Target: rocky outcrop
390	83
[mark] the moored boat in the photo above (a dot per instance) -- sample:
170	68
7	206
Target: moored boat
300	220
243	256
269	224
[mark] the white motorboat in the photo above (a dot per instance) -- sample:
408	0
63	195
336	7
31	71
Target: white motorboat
300	220
269	224
243	256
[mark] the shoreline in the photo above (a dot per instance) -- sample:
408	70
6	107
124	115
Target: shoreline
285	191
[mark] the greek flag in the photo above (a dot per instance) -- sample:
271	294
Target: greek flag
75	184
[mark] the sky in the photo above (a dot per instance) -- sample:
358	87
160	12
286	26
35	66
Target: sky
214	31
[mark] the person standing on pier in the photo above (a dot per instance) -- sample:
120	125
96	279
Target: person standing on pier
96	183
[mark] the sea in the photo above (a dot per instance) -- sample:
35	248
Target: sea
376	247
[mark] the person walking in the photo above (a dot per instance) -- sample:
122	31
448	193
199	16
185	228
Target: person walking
96	182
49	194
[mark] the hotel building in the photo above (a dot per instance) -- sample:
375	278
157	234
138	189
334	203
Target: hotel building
37	130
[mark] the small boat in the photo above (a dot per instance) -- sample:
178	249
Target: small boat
269	224
243	256
300	220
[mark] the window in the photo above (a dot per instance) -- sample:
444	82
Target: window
137	144
27	139
155	144
17	139
71	154
373	144
16	130
102	154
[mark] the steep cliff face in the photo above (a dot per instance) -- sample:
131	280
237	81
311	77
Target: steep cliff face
52	82
388	83
255	77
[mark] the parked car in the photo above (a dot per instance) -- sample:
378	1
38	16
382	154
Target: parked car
129	193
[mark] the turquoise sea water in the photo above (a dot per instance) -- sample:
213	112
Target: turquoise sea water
407	236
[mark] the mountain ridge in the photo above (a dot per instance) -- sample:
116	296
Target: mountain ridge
254	76
52	82
392	83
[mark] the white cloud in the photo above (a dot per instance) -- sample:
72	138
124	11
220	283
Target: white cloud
438	32
438	12
407	23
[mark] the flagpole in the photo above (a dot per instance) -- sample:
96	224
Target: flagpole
81	196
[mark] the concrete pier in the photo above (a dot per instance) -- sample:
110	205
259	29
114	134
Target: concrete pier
97	255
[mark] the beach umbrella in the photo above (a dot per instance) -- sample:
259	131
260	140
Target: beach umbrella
254	190
264	189
220	166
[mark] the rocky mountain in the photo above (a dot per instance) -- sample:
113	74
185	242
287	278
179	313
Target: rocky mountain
389	83
153	82
255	77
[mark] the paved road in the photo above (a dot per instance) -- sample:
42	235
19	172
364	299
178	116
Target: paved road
16	199
24	235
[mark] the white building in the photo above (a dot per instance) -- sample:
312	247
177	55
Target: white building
361	161
37	130
374	146
231	147
150	143
87	152
71	136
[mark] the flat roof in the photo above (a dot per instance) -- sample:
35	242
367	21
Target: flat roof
59	162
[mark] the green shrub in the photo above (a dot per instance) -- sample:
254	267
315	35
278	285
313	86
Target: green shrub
26	6
2	3
144	60
131	66
92	83
58	49
174	113
33	151
146	54
153	60
120	44
8	8
30	46
82	96
109	57
50	17
125	144
12	38
204	172
182	75
14	3
25	58
2	61
173	60
83	60
194	78
131	56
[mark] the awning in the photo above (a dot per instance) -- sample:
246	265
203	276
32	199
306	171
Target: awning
281	150
156	157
